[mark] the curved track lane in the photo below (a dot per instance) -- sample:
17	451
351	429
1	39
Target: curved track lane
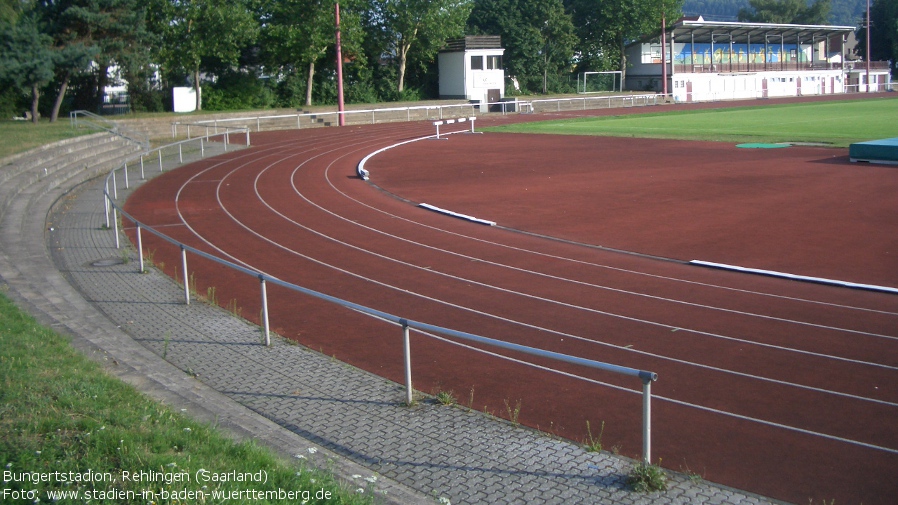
781	388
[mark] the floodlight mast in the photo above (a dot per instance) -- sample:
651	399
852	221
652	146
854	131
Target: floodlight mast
868	46
340	106
663	53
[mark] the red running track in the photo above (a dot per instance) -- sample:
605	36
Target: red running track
783	388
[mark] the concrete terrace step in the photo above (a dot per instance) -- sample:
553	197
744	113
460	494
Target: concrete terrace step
72	166
53	157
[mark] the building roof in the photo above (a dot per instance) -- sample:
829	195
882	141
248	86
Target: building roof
711	31
714	31
473	42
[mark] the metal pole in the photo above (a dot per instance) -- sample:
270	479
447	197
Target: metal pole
407	350
340	105
868	46
106	203
114	187
227	135
247	137
140	248
142	174
127	184
664	54
202	148
160	159
265	322
186	278
180	153
647	421
115	226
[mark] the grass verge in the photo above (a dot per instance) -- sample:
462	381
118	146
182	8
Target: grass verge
836	123
20	136
70	433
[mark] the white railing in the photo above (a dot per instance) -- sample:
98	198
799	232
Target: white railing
79	118
413	113
110	197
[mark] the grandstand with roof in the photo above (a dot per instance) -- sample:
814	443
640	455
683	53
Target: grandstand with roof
713	60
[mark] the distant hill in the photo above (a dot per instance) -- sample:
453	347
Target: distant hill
843	12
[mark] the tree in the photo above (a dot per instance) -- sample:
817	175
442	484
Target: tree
192	31
538	37
298	33
402	26
607	26
786	12
106	32
9	10
883	33
27	58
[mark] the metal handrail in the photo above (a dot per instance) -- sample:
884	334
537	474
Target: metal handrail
100	122
647	377
439	111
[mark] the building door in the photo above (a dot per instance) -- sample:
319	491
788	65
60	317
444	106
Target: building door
493	96
764	88
688	91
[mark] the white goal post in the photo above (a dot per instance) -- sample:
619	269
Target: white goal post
599	82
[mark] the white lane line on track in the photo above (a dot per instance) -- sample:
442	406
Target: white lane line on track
675	401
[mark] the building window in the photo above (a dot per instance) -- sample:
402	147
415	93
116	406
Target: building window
477	62
651	53
494	62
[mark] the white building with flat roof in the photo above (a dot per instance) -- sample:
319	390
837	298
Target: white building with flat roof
471	68
710	60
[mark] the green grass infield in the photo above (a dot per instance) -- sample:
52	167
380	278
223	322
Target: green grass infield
836	123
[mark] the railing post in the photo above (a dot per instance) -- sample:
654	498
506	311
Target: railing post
407	351
160	159
202	148
180	153
646	420
226	136
247	137
140	248
265	323
115	226
186	277
114	187
127	184
106	203
142	174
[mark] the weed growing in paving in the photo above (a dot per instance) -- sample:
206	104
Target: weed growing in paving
62	413
594	444
513	413
646	478
446	397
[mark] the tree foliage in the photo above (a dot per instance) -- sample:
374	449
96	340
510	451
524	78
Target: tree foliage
27	60
408	29
606	26
194	32
883	34
538	36
787	12
297	34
